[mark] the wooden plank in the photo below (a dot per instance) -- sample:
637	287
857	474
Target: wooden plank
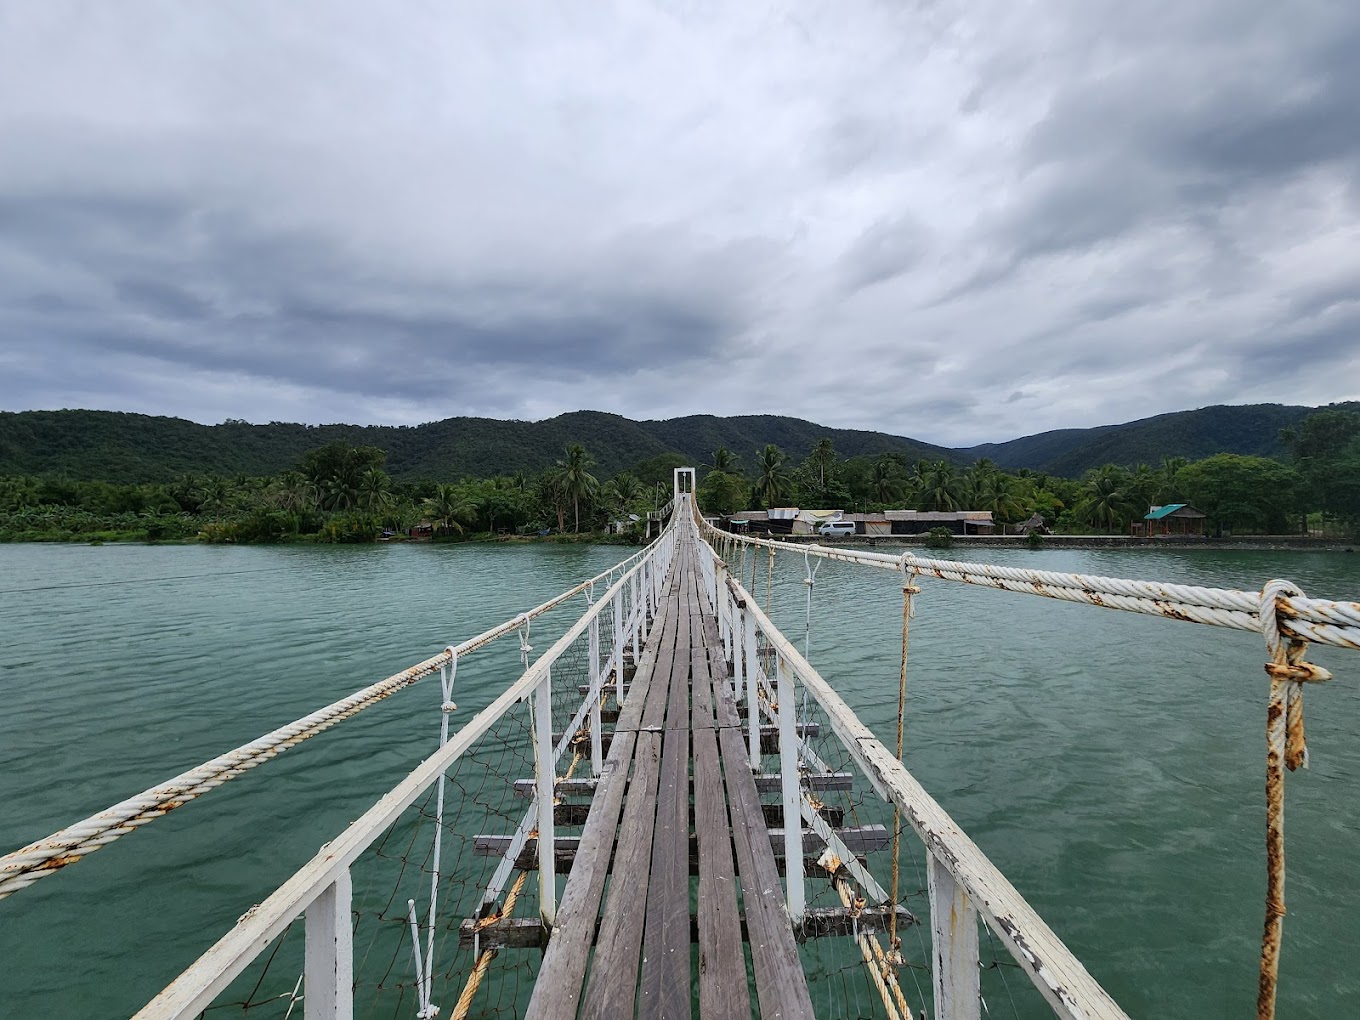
654	709
665	987
557	990
822	922
781	985
723	989
585	786
611	989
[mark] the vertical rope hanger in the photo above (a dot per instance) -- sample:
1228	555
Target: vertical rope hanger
909	589
1286	747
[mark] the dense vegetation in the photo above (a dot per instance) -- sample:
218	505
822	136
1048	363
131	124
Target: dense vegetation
132	448
344	492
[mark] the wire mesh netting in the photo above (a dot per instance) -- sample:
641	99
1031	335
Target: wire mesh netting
842	969
477	953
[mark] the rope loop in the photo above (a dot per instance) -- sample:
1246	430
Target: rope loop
524	647
1287	665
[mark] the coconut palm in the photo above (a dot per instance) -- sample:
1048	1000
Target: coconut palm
447	508
823	459
1105	502
628	488
576	479
724	460
772	481
886	482
375	489
939	486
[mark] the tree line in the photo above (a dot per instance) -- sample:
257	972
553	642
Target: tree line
342	493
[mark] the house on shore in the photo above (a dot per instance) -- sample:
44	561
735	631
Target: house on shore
1171	519
884	524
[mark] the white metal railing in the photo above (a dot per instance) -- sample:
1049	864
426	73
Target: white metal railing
1280	612
963	884
21	868
321	888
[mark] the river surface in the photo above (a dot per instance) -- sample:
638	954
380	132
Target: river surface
1110	764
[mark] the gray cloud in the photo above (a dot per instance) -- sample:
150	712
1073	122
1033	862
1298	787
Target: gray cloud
961	222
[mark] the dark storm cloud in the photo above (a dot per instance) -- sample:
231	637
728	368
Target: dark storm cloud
956	221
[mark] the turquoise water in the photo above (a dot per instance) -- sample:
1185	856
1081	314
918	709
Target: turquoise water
1110	764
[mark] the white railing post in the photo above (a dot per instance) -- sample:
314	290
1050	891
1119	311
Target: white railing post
789	782
545	773
328	968
738	640
752	695
596	696
725	613
954	935
635	617
616	653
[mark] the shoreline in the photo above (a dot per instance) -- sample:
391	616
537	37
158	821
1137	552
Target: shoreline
1246	543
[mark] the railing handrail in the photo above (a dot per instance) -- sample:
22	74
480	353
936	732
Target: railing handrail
1055	971
212	972
27	865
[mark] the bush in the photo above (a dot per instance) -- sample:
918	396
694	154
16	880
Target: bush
1034	540
939	538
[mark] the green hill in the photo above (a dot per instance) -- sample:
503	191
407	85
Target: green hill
120	447
1251	429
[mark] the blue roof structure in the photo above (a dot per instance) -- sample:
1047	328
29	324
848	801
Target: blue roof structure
1163	511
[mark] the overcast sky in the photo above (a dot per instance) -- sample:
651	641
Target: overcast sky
958	221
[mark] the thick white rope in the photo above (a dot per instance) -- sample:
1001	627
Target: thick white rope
1320	621
21	868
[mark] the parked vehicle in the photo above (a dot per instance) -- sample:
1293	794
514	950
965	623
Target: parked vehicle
837	528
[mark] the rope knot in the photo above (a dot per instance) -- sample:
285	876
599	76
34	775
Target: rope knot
1303	672
448	706
1287	666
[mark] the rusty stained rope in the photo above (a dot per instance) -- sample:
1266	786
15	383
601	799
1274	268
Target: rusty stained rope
1321	621
908	590
474	981
876	962
1286	747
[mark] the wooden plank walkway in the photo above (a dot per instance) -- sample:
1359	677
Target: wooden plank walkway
623	945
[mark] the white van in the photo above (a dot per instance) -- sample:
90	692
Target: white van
837	528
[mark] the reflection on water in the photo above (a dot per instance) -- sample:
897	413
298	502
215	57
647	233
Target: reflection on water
1111	764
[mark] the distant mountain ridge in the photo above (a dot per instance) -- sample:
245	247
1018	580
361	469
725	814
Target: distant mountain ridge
123	447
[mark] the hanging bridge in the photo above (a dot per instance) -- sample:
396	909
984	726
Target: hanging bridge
670	812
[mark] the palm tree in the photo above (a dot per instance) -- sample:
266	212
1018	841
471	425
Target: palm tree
1104	499
1167	490
724	460
575	477
772	482
628	487
293	491
823	458
998	493
939	486
447	507
886	482
375	489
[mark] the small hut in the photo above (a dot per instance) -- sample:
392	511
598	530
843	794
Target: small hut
1034	526
1172	519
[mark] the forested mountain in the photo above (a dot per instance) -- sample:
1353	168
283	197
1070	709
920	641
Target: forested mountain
1250	429
126	448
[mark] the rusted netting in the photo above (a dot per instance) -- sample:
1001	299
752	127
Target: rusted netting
27	865
1286	747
